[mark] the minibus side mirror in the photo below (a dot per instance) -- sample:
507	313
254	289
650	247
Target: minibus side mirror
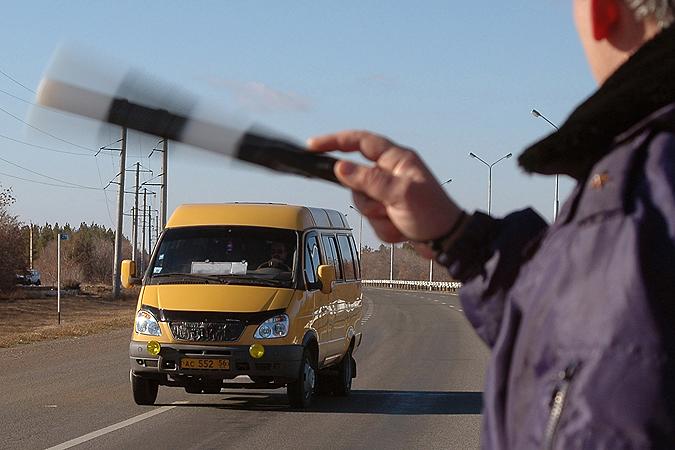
326	274
128	274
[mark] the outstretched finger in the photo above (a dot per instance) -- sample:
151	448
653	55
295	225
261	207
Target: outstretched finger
371	145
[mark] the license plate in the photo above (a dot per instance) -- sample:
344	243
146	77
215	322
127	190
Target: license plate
205	364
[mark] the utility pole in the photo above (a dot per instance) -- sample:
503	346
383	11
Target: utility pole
164	189
120	215
58	278
134	232
134	210
149	232
157	229
145	194
134	215
30	247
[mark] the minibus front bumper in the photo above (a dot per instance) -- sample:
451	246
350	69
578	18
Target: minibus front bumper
279	362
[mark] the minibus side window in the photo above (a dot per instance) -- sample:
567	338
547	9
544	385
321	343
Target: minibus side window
347	258
312	261
330	248
357	257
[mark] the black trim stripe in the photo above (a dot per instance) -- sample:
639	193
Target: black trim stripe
254	318
158	122
284	156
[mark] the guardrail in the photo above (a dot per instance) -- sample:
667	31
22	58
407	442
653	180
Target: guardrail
452	286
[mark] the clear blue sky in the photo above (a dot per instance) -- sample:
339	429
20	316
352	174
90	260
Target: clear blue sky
443	77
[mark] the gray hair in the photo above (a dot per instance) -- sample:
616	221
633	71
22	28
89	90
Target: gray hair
660	10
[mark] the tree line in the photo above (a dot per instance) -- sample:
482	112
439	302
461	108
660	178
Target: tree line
408	265
87	256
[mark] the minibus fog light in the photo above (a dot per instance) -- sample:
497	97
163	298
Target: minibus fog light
275	327
154	348
257	351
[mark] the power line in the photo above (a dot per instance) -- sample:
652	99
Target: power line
47	176
43	147
44	132
105	194
48	184
16	81
98	170
16	97
46	108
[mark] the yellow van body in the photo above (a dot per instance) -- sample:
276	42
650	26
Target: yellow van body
214	305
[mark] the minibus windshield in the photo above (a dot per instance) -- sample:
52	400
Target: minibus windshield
228	255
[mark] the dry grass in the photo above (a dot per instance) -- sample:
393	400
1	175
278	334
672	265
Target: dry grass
27	320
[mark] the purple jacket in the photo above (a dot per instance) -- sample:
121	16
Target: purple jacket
580	315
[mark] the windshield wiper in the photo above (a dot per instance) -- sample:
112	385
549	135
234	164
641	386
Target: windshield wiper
192	276
254	280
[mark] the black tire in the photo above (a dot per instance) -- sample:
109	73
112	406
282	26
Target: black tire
144	389
325	382
301	391
343	382
193	389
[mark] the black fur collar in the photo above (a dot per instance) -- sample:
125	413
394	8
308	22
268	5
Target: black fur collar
642	85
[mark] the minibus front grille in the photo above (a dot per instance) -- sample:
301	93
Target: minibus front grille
207	331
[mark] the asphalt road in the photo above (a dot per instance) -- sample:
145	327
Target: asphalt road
420	376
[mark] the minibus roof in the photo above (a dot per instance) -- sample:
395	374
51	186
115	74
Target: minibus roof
273	215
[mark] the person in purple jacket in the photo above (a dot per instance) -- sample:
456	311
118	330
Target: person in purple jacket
580	315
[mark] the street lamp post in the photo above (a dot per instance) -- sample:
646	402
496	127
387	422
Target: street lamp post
473	155
431	261
360	230
391	267
556	199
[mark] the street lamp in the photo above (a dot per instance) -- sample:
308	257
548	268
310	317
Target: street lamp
360	229
431	261
391	266
556	200
473	155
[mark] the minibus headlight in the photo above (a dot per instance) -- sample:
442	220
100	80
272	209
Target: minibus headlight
147	324
276	327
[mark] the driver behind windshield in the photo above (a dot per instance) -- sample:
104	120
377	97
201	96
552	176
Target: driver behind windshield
279	257
240	250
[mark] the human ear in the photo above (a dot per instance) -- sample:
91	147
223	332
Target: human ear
604	16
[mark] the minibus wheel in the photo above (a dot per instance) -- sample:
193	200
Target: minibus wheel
144	389
343	383
193	389
300	391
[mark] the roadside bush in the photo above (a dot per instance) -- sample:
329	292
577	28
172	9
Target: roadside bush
86	257
12	256
71	285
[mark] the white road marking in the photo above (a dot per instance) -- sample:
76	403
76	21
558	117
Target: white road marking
115	427
369	311
460	310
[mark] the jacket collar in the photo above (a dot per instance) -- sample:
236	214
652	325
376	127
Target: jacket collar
642	85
